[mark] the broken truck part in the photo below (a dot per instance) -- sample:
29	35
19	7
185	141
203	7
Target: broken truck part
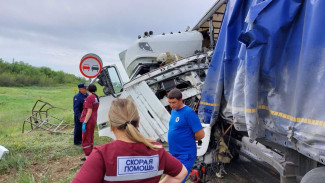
3	151
42	119
265	78
247	88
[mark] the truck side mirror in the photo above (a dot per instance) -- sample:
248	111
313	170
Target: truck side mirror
110	79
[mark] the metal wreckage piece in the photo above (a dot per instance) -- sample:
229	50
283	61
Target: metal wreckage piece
41	119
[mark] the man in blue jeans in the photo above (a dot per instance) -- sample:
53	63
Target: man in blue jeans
184	129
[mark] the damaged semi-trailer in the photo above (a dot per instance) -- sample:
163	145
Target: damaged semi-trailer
265	79
254	72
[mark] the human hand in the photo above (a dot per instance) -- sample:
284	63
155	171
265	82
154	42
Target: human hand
84	127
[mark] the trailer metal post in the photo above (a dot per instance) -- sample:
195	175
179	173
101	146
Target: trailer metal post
211	32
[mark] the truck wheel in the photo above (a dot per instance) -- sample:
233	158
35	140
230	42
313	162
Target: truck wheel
316	175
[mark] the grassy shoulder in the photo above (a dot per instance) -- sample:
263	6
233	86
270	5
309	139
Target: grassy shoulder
38	156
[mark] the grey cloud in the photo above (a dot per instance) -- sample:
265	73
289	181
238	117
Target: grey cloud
57	33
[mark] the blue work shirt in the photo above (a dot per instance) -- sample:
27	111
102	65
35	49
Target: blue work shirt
78	101
183	124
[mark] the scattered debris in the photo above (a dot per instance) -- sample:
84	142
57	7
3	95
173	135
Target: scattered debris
3	151
41	119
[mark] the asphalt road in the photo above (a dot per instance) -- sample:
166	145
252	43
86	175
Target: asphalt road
244	170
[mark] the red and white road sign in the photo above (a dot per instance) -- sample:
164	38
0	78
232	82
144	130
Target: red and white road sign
90	65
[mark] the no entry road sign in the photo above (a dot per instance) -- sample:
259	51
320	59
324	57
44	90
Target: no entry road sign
90	65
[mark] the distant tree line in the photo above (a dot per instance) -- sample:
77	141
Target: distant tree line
23	74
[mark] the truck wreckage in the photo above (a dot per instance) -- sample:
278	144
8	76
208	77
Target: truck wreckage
158	63
225	67
42	119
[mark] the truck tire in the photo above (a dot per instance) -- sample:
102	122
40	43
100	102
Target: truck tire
316	175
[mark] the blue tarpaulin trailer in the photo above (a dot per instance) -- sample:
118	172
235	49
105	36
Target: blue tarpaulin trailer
267	74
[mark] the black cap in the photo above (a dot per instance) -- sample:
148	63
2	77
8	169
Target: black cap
82	85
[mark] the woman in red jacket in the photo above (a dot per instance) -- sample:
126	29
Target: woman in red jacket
132	157
89	119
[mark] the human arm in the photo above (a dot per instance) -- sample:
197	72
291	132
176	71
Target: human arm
88	115
178	178
88	104
89	112
199	134
175	171
93	170
195	125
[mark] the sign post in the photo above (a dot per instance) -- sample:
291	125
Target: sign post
90	65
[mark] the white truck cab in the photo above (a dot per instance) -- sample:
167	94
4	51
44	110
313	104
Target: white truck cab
157	64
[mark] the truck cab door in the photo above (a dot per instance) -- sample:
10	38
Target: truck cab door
111	80
113	86
154	117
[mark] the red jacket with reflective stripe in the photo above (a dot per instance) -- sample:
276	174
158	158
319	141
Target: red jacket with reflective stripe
121	162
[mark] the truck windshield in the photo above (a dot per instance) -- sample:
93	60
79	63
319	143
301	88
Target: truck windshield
116	82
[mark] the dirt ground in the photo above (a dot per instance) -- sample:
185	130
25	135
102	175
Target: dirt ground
52	171
59	168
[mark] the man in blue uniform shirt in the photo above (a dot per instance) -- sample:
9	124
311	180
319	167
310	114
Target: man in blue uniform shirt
184	128
78	101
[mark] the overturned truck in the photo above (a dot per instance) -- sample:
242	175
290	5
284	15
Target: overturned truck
254	72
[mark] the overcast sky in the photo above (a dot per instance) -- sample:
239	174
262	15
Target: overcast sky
57	33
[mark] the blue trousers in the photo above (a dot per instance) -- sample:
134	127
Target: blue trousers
187	160
77	136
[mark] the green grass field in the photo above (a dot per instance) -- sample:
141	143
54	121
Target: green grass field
38	156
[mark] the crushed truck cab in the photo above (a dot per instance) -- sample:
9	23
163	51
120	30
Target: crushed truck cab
149	88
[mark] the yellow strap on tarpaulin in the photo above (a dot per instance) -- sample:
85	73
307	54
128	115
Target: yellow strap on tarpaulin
274	113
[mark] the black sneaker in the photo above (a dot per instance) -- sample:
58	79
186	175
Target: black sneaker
83	159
